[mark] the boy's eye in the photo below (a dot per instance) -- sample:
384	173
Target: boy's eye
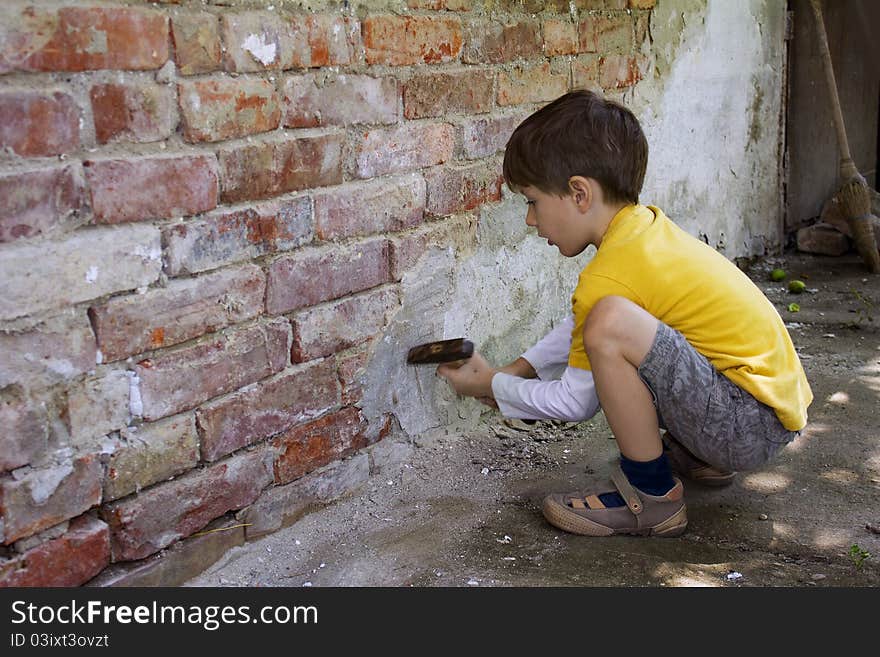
529	202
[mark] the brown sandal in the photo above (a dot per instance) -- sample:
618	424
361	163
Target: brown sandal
644	515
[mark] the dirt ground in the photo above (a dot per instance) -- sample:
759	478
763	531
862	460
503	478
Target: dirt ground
464	510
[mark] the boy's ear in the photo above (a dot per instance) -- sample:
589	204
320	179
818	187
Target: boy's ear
581	191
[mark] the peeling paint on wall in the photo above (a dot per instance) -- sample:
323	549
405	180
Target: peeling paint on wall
263	52
43	484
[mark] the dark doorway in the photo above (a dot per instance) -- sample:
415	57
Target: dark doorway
812	154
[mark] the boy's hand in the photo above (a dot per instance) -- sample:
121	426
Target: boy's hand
473	378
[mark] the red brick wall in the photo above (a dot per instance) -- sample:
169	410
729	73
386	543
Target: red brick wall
205	213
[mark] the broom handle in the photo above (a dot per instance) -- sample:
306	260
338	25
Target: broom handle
847	167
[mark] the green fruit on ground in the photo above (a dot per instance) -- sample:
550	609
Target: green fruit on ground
796	287
777	275
793	308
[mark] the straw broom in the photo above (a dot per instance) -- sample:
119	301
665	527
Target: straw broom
853	196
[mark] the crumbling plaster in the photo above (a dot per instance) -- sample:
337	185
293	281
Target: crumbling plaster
710	104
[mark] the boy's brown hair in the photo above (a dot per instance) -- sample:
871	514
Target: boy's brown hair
579	134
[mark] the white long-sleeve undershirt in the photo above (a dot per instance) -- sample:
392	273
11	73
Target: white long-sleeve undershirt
560	393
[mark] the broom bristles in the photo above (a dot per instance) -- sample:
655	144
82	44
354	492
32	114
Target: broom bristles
854	198
855	205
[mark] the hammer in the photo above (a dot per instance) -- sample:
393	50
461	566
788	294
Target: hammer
440	351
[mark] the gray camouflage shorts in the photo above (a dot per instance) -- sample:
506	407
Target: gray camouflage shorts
718	421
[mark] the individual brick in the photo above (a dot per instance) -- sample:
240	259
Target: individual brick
151	187
69	560
262	40
54	351
82	38
224	108
258	41
150	453
823	239
41	498
183	310
268	408
309	446
133	112
34	202
329	328
333	40
197	47
25	433
343	100
483	136
606	34
492	42
585	72
440	93
401	149
366	208
311	276
228	236
155	518
405	40
280	164
97	406
182	379
560	37
530	84
453	189
86	265
38	123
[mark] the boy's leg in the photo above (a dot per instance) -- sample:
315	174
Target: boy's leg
618	335
623	330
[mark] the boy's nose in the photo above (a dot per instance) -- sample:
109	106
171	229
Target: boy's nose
530	218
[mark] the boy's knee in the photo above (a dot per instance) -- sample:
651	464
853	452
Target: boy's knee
605	321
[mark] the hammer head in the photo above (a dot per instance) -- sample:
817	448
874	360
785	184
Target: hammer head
441	351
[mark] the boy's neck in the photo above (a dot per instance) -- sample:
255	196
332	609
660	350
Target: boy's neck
605	213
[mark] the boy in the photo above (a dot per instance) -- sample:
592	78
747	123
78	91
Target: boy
665	332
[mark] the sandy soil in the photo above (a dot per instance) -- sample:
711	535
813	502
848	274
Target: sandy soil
464	510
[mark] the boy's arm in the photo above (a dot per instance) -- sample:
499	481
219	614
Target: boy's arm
549	356
517	394
572	398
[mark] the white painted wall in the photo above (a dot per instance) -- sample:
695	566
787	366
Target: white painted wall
712	115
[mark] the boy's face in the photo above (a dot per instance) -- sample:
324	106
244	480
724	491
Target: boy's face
558	220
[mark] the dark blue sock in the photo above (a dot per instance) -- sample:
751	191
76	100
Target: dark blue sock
651	477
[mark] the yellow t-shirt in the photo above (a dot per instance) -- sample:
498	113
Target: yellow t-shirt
692	288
